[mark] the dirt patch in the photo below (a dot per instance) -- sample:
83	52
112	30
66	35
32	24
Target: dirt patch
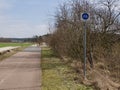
103	82
95	77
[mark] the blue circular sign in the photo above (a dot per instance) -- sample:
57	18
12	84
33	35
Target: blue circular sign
85	16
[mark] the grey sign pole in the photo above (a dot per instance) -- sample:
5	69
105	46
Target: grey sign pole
84	40
84	17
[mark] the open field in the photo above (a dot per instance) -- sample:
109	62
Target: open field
56	75
14	44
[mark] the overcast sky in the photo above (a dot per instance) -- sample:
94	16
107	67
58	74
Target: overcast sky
26	18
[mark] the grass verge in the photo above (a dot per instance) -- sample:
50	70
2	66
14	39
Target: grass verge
14	44
8	54
56	75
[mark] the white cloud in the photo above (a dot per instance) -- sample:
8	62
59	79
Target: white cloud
22	29
4	5
42	28
12	27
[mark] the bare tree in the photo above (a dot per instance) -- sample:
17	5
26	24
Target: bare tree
102	29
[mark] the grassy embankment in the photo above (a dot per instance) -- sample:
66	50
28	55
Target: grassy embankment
23	45
14	44
56	75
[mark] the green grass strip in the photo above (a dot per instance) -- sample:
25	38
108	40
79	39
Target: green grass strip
56	75
14	44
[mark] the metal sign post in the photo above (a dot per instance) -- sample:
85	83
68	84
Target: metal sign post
84	17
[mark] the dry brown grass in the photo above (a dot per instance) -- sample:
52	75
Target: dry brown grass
67	40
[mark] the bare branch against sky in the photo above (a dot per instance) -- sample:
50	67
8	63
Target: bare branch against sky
26	18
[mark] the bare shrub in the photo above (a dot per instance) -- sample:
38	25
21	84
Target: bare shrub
103	30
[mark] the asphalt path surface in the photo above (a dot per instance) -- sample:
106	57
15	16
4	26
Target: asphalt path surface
21	71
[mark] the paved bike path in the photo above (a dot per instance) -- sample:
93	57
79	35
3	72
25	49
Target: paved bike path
21	71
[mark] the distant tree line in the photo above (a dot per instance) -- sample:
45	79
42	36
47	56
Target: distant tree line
39	39
5	40
17	40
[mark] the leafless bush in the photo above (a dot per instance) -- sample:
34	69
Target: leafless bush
103	29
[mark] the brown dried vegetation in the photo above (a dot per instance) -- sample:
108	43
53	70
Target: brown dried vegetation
103	39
